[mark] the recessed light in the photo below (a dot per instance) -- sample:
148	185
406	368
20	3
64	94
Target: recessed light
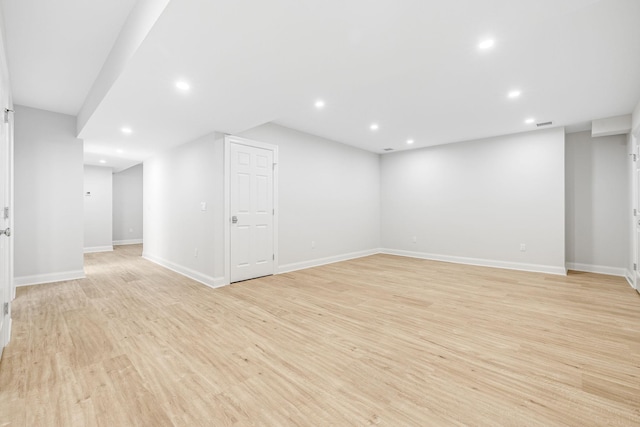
410	141
374	126
119	151
530	121
514	94
182	85
319	103
103	161
486	44
126	130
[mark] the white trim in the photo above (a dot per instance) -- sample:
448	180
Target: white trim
127	242
9	329
536	268
212	282
228	140
6	337
628	275
38	279
98	249
323	261
226	182
600	269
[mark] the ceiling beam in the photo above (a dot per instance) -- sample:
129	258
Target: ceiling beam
140	21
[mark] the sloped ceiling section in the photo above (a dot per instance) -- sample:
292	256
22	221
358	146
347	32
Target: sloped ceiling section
411	66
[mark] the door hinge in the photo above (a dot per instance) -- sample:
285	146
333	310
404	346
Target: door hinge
635	212
273	257
635	267
6	114
5	309
6	212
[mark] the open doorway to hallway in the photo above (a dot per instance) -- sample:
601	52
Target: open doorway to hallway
112	208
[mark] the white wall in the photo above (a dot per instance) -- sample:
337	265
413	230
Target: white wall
478	201
635	119
98	209
127	206
328	192
597	203
174	185
48	226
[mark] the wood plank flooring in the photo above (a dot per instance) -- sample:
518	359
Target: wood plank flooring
381	340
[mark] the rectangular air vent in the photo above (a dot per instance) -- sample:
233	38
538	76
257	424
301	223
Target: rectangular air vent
387	149
544	124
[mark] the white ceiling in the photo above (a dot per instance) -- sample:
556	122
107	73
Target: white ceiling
55	49
412	66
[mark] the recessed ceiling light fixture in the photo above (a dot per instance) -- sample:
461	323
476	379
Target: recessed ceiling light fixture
103	161
486	44
126	130
530	121
374	126
319	104
410	141
514	94
182	85
119	151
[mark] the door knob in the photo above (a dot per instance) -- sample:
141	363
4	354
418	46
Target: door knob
6	232
234	219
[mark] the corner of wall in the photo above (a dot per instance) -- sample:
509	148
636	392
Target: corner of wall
212	282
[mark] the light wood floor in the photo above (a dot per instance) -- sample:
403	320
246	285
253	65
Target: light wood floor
381	340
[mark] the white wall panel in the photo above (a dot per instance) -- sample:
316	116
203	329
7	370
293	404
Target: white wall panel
48	197
479	201
127	206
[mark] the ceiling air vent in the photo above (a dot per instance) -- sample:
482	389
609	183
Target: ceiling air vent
544	124
387	149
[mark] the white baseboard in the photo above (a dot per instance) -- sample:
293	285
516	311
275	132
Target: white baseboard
127	242
98	249
629	276
212	282
536	268
323	261
600	269
39	279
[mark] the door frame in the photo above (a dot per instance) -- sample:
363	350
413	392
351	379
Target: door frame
635	201
6	145
228	140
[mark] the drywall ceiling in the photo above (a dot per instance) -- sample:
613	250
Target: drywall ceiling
55	49
411	66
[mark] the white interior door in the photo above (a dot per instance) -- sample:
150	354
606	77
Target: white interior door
251	208
5	230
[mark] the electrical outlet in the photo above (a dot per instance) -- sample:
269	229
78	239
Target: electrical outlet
523	247
313	244
415	239
195	253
